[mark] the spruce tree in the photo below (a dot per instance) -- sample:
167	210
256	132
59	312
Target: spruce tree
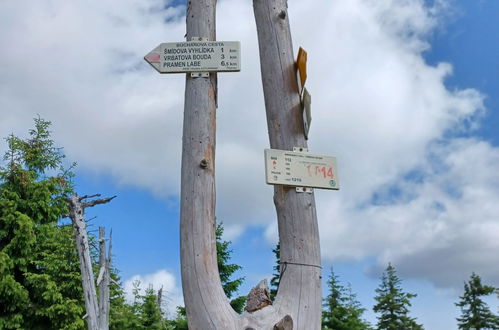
226	271
342	311
475	313
150	311
393	304
122	315
40	283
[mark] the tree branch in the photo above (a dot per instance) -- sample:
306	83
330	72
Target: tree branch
97	202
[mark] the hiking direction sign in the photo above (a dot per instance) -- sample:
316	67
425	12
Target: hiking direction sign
300	169
199	55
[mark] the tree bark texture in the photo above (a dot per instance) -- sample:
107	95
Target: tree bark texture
206	304
299	292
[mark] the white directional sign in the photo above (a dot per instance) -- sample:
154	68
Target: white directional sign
300	169
195	56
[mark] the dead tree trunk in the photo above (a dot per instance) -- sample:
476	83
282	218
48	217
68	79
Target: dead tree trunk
300	285
77	207
104	279
206	304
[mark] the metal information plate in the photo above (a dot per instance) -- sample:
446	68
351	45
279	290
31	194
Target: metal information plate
196	56
300	169
307	111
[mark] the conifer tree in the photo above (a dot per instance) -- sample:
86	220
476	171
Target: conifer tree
226	271
150	311
393	304
40	283
475	314
342	311
122	315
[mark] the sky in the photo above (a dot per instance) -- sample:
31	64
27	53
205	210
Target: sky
404	94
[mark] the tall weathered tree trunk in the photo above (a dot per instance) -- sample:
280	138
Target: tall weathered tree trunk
77	207
104	280
87	274
206	304
300	285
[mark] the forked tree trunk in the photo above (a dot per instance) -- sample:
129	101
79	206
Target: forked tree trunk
299	298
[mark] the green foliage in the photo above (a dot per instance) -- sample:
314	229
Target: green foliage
180	323
276	276
393	304
40	285
342	311
226	271
475	314
151	317
122	316
143	314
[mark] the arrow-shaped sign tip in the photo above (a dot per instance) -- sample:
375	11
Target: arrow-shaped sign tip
152	57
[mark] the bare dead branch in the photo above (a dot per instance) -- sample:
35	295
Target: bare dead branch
259	297
97	202
88	196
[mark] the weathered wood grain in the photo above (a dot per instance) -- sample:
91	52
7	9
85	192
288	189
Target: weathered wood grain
103	284
206	304
299	292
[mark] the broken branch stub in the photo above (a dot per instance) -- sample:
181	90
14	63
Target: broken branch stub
259	297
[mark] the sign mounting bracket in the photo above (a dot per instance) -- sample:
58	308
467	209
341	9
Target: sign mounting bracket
302	189
300	149
199	74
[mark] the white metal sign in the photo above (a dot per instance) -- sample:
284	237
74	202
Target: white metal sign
300	169
195	56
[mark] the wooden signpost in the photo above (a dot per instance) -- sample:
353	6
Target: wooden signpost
298	301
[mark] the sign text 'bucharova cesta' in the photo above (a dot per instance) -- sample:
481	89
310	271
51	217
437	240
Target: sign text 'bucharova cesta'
196	56
300	169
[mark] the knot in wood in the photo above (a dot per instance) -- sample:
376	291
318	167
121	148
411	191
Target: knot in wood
203	163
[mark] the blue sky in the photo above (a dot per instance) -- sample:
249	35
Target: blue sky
404	94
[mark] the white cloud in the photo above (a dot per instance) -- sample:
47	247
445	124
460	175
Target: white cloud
172	294
376	105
